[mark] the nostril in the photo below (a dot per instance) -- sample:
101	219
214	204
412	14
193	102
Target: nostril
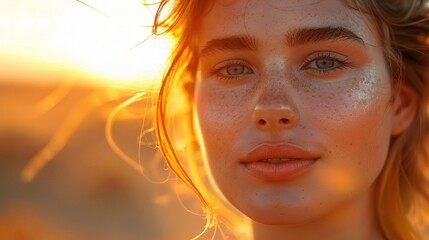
283	121
262	122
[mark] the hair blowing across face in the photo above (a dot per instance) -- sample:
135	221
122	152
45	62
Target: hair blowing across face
402	187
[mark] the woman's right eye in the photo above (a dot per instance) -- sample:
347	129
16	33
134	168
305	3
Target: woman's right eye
232	70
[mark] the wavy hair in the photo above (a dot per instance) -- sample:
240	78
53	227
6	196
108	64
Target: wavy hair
402	194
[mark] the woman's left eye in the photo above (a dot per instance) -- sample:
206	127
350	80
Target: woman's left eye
325	62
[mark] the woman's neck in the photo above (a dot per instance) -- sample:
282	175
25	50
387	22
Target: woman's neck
355	220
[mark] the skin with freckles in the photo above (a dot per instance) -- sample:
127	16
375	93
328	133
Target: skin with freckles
312	89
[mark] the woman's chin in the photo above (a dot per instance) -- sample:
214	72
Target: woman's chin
282	215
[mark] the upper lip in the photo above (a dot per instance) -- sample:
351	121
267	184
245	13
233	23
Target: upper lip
280	150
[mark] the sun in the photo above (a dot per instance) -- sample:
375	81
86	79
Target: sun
110	39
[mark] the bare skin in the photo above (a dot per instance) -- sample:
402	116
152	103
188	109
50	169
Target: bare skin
294	110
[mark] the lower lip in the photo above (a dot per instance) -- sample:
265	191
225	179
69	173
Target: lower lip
284	171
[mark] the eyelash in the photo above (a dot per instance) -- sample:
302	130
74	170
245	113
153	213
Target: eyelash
217	70
340	62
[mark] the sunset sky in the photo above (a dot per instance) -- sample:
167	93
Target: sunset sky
65	67
98	37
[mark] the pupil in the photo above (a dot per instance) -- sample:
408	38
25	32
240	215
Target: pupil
325	64
235	70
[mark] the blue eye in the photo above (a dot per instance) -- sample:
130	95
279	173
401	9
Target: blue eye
325	62
232	69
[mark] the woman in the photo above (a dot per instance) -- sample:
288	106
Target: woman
309	115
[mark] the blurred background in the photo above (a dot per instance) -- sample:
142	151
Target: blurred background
65	65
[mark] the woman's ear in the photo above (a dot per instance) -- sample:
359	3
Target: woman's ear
404	109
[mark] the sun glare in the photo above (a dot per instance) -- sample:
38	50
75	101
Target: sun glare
105	38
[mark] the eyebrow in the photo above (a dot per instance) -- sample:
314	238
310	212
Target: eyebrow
295	37
232	43
306	35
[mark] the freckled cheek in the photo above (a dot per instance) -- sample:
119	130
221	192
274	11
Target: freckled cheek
220	116
356	134
349	110
347	100
344	115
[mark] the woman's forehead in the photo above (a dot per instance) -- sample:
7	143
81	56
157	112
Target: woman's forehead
271	18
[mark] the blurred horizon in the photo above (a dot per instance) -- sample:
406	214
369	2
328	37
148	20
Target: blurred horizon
64	68
108	39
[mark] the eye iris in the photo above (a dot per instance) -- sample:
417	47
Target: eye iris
235	70
325	63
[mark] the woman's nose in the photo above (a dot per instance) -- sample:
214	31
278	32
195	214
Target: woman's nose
275	108
275	117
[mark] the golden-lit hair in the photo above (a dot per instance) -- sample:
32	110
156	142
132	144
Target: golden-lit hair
402	193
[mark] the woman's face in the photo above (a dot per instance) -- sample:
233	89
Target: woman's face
292	102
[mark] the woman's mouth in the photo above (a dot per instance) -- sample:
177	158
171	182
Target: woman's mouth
278	162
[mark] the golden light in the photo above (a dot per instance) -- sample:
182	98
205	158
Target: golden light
106	38
67	70
89	42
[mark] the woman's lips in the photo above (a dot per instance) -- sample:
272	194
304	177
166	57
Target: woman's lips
278	162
